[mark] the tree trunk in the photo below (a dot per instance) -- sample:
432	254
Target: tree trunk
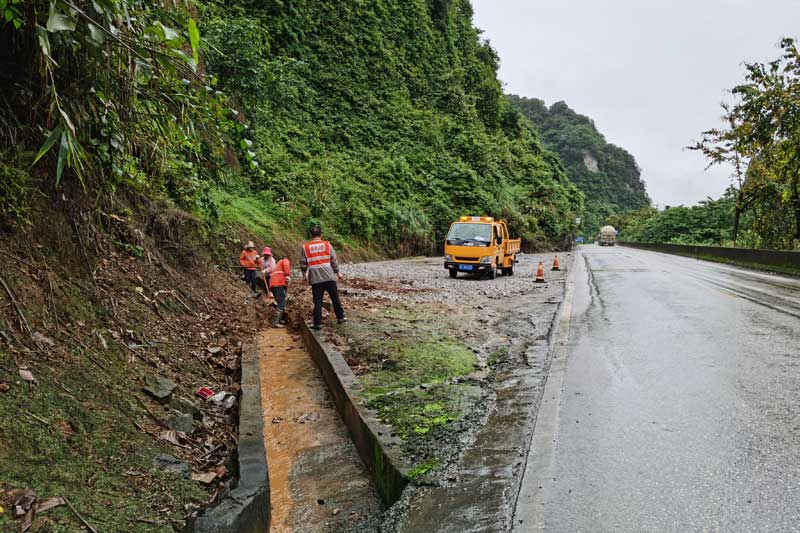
796	205
796	243
737	215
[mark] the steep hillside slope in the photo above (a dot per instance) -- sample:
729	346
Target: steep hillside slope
607	174
383	120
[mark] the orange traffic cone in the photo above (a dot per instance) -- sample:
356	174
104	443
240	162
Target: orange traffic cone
540	273
555	263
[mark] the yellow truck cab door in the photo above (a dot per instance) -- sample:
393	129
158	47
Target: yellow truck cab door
499	244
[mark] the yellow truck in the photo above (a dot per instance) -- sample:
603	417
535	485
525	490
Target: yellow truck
480	245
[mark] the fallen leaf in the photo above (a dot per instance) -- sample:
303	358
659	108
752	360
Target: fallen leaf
102	339
3	388
205	478
214	349
26	375
40	338
307	417
173	436
49	503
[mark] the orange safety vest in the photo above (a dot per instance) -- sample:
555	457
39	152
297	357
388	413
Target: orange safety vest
278	275
318	253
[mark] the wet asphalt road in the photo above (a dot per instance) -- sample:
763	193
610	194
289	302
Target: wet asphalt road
677	406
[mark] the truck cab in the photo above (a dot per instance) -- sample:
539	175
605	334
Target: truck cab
480	245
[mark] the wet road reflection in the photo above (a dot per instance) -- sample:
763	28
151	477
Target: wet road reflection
680	406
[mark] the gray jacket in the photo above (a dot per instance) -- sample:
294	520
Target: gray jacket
319	274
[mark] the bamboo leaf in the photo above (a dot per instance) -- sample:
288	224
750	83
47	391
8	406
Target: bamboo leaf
58	21
194	40
96	35
44	42
67	121
169	33
51	140
63	153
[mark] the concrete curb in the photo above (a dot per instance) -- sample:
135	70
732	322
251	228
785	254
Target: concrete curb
537	468
246	508
785	261
375	442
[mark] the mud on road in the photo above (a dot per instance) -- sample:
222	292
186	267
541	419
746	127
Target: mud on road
491	341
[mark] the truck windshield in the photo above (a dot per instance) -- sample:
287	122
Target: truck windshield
475	234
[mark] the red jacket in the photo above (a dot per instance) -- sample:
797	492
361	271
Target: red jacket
280	274
248	259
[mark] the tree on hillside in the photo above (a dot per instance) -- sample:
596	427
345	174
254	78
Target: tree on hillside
762	141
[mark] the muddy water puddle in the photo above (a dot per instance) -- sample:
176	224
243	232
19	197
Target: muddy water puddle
317	480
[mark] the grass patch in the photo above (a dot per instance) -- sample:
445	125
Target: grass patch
258	215
423	469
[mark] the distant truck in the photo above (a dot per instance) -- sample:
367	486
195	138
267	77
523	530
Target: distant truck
607	237
480	245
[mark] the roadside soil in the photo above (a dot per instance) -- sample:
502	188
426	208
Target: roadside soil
317	480
92	322
456	367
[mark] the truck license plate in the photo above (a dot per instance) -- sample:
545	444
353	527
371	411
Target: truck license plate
465	267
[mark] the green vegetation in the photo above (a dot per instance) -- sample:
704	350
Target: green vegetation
607	175
106	96
708	223
57	441
761	209
383	120
762	144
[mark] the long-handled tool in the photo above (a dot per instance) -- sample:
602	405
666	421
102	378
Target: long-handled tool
266	286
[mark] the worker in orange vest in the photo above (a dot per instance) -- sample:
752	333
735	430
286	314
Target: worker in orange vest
279	277
320	269
249	261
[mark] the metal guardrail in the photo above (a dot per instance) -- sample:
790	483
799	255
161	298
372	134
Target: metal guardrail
746	256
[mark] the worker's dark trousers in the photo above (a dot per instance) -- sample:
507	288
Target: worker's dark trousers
250	277
318	291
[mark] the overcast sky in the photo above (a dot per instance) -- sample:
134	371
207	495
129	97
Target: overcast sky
651	74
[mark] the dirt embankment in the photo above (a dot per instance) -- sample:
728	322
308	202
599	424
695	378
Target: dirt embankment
96	308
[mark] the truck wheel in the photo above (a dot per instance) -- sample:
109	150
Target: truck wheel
453	273
510	270
492	273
